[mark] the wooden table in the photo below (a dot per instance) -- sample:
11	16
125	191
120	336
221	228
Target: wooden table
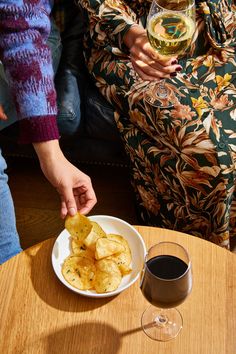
38	314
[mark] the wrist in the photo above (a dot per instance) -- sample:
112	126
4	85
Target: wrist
131	35
48	151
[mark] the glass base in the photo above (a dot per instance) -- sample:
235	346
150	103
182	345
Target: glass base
161	324
158	95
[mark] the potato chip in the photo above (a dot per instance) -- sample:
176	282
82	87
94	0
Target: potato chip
107	277
79	248
95	233
78	226
106	282
105	248
107	266
98	261
79	272
119	238
123	260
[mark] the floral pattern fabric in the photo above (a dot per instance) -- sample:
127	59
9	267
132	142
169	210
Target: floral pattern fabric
183	159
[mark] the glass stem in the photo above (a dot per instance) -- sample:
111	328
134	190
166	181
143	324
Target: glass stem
161	320
162	90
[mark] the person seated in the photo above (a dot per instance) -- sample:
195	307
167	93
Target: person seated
28	78
182	158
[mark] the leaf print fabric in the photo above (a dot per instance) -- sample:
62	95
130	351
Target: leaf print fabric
183	159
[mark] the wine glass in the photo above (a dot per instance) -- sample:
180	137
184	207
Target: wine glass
170	28
166	282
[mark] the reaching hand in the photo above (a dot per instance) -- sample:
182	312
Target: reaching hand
145	60
75	187
2	113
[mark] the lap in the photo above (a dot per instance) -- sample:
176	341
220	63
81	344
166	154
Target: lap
188	150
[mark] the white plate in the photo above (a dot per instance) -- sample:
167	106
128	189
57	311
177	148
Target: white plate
110	224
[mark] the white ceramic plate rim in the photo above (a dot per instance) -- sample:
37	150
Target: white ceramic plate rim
64	237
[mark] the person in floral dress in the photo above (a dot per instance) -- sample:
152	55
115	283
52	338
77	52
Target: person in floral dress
183	158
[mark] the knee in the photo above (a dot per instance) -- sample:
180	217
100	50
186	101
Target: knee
68	101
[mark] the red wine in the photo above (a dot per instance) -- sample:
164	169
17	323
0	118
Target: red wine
166	282
167	267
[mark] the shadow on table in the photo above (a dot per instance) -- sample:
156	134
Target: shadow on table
51	290
86	338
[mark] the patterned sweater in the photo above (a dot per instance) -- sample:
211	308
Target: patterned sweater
24	28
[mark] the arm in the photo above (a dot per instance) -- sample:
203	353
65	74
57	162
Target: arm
115	23
74	187
27	61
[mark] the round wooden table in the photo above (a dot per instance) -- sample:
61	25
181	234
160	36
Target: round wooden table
38	314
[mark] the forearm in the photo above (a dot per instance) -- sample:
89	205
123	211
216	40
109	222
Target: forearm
48	151
131	35
74	187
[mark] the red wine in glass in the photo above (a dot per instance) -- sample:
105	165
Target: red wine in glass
166	282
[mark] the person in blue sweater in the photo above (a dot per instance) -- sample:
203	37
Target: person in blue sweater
28	70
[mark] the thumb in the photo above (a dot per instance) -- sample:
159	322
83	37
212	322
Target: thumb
68	201
163	60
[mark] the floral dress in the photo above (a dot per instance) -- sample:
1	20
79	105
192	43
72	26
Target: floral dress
183	159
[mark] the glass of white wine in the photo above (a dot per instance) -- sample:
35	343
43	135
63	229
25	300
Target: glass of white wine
170	29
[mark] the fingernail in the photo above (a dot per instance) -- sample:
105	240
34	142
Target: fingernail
173	74
72	211
179	68
175	61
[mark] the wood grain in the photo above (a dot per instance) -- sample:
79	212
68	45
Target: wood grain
39	315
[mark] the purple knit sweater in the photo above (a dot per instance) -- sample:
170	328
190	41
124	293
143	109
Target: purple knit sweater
24	28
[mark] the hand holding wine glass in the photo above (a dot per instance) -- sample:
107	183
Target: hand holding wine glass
170	28
166	282
145	60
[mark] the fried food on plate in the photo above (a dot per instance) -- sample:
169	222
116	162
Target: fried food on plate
122	259
98	260
95	233
79	272
78	226
107	277
79	249
105	248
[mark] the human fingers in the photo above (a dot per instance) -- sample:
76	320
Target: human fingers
68	202
146	72
149	68
63	209
160	59
83	199
167	66
87	199
143	50
85	209
2	113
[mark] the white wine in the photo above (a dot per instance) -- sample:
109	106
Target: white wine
170	33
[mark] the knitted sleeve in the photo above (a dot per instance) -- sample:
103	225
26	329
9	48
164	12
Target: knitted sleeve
24	28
